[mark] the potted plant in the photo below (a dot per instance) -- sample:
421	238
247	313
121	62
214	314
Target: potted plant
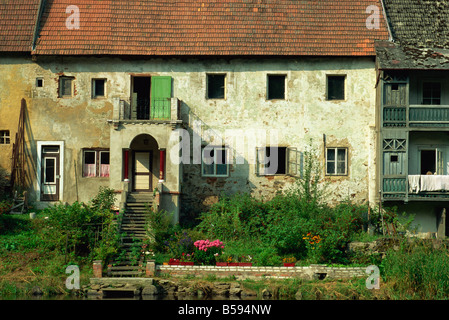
174	262
289	262
220	259
245	261
231	262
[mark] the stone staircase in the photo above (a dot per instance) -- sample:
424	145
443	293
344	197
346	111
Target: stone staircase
129	261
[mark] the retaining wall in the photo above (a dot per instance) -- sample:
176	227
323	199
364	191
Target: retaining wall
309	272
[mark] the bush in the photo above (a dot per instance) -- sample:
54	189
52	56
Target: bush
83	229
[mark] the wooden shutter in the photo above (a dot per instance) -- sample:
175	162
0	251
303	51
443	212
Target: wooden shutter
160	97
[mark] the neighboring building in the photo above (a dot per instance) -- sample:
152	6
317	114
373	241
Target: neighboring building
413	112
108	100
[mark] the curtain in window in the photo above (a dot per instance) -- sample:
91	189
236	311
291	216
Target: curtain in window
104	170
89	170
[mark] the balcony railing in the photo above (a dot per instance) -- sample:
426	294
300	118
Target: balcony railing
147	110
429	115
416	116
428	187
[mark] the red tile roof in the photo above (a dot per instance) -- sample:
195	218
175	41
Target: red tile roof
213	27
17	20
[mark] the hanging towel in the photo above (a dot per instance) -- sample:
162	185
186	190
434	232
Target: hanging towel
431	182
414	183
445	182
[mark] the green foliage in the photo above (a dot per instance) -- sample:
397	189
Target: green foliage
160	229
418	270
281	225
83	229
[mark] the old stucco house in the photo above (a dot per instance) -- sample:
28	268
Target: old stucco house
413	112
145	95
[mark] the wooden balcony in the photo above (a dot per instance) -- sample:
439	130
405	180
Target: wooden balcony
419	116
416	187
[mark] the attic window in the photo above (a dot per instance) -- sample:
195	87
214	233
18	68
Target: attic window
216	86
98	88
66	87
276	87
39	82
336	87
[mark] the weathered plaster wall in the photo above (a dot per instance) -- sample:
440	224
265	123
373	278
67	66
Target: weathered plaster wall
13	87
304	115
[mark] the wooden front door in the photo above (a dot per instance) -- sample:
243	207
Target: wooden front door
50	173
142	170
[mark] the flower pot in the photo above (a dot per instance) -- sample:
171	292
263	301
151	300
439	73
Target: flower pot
233	264
289	264
221	264
174	262
245	264
187	263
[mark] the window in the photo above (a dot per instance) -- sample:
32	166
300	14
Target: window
275	87
336	87
98	88
432	93
4	137
216	84
65	87
39	82
214	162
95	163
336	161
431	161
278	161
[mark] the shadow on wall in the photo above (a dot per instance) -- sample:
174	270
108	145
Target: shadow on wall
202	188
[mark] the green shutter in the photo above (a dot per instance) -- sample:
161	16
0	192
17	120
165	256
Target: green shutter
160	97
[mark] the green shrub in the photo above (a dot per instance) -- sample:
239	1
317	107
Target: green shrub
83	229
418	270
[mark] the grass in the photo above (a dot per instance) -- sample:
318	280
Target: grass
26	262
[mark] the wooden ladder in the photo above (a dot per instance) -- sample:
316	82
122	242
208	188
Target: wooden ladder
18	155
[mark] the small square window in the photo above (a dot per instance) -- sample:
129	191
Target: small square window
215	162
394	158
394	87
276	87
336	161
4	137
65	87
216	84
336	87
98	88
39	82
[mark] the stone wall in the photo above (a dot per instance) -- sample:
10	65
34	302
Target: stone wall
312	272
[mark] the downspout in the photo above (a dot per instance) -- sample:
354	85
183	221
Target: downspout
37	24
